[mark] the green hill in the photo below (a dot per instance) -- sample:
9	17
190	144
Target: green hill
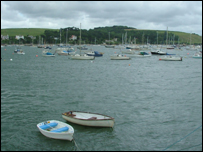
102	33
24	31
184	37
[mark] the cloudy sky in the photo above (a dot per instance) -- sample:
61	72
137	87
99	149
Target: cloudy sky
184	16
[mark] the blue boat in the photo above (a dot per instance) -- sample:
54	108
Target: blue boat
94	53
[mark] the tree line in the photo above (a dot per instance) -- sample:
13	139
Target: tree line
99	35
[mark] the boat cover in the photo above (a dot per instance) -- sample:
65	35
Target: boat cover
48	53
49	125
60	129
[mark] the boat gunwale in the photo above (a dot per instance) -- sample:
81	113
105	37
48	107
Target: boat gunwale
109	117
65	132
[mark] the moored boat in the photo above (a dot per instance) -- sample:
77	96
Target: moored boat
94	53
81	57
141	54
88	119
47	53
18	49
197	55
119	57
158	52
170	58
20	52
56	129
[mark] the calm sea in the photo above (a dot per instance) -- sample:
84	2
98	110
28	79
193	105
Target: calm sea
157	105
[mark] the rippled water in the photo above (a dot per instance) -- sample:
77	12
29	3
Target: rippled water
154	103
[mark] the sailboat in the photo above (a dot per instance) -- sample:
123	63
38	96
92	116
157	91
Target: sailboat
79	56
109	46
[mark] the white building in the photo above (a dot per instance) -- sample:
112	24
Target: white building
5	37
19	37
73	37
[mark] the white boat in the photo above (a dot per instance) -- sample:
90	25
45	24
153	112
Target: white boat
128	51
197	55
170	58
47	53
94	53
81	57
18	49
110	46
120	57
64	52
158	52
56	129
88	119
20	52
141	54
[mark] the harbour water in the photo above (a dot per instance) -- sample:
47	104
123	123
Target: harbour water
157	105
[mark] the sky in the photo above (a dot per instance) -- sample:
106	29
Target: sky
183	16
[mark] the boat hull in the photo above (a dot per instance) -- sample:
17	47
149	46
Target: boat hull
171	59
66	135
82	57
89	119
197	57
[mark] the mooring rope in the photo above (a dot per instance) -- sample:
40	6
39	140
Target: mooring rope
190	147
182	138
76	145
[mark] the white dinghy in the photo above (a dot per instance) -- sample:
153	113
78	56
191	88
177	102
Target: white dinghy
56	129
88	119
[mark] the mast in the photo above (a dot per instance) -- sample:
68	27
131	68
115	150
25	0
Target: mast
109	38
167	37
157	37
60	36
80	39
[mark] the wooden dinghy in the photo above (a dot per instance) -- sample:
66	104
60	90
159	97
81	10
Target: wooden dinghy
88	119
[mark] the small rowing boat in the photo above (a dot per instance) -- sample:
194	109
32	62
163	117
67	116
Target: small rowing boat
88	119
56	129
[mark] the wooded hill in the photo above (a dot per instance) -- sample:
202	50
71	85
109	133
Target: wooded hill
99	35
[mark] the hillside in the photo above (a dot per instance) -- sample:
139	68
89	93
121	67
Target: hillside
116	32
184	37
24	31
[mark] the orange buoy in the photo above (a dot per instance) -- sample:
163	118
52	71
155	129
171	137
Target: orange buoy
159	59
129	64
36	55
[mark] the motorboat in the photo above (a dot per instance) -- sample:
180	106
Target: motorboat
88	119
141	54
56	129
81	57
47	47
110	46
120	57
47	53
18	49
94	53
170	58
128	51
158	52
197	55
82	47
20	52
64	52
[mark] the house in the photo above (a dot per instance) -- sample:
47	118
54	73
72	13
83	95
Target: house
19	37
6	37
73	37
